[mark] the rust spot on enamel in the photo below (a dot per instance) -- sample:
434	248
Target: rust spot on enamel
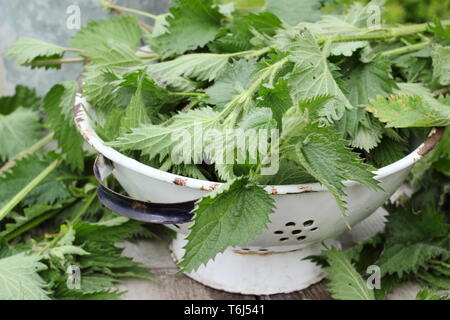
76	111
431	142
85	136
305	189
138	205
180	181
214	187
274	191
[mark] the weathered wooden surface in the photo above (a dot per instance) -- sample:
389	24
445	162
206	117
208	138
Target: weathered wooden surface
155	255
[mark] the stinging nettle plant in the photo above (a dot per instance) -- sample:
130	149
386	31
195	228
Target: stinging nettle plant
345	99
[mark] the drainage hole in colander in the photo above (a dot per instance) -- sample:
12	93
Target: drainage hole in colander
314	229
284	239
301	238
263	250
308	223
245	249
290	224
296	231
177	226
278	232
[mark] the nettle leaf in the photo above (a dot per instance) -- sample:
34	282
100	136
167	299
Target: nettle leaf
288	173
58	104
354	20
103	254
405	111
115	54
324	155
357	18
363	129
23	97
60	252
427	294
362	83
434	279
414	66
190	25
28	215
278	99
414	89
159	140
104	232
102	79
259	119
441	64
407	258
136	113
345	282
234	81
19	278
97	87
123	29
232	215
388	152
186	170
406	225
154	96
240	35
93	283
18	131
160	26
367	137
108	90
26	51
295	11
441	33
199	66
48	191
367	81
63	293
314	76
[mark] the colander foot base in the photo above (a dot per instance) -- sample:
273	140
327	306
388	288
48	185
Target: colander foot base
257	274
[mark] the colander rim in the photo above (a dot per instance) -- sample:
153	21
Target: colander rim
82	121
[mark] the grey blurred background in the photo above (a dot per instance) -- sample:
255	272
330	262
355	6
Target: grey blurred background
46	20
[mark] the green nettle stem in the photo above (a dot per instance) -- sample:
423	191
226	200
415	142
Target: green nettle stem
34	223
38	145
383	34
233	109
74	220
27	189
188	94
109	5
56	61
406	49
252	53
148	56
83	209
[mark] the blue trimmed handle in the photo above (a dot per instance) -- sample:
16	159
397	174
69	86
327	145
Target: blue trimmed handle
160	213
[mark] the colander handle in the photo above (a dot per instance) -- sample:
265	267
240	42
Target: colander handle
160	213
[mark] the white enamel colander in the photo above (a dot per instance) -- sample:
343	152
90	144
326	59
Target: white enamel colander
305	218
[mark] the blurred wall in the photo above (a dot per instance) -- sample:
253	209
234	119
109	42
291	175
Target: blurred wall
46	20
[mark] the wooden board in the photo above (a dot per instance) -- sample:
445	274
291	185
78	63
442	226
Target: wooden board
155	255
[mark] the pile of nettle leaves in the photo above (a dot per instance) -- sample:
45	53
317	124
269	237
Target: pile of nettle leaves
346	99
56	240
